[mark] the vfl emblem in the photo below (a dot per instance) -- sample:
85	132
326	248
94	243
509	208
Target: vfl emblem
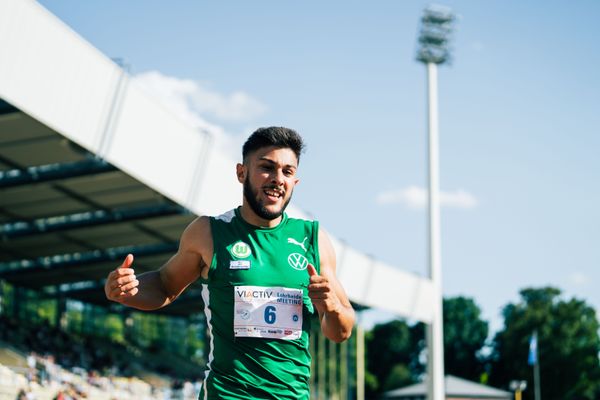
241	250
297	243
297	261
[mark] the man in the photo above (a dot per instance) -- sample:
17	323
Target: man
262	273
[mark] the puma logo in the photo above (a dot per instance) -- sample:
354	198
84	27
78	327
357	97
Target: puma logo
297	243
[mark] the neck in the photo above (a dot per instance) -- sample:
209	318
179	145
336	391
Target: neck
250	217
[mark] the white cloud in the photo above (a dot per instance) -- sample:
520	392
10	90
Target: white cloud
579	278
239	106
416	197
236	107
191	102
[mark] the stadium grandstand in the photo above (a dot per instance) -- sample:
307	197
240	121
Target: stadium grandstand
74	200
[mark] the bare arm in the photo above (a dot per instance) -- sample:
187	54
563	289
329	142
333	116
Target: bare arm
329	298
156	289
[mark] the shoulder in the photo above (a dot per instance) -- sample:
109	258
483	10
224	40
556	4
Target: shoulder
326	249
201	226
197	235
324	239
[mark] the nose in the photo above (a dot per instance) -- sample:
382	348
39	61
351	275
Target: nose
278	177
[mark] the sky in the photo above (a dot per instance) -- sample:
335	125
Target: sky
519	112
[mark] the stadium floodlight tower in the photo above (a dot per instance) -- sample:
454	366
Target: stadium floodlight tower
436	27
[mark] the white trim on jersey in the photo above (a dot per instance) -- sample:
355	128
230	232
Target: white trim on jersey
226	217
206	298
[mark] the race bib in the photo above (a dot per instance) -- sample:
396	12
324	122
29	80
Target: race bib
267	312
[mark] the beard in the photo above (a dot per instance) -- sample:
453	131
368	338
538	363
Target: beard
258	206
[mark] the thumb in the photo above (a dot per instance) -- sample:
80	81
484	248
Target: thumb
127	262
311	270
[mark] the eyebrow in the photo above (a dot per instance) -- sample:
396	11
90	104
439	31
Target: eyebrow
275	163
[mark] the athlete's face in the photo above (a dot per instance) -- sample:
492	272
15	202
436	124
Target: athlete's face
269	177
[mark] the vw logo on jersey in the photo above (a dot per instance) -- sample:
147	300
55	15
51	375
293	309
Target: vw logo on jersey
297	261
241	250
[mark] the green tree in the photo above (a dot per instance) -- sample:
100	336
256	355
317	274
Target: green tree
395	350
464	336
389	351
568	345
114	328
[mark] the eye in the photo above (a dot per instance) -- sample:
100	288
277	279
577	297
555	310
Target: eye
289	172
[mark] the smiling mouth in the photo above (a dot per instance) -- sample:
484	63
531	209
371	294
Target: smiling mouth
273	193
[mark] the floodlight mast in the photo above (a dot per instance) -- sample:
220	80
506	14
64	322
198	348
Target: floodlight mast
436	27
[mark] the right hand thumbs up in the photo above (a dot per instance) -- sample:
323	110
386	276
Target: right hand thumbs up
128	261
122	282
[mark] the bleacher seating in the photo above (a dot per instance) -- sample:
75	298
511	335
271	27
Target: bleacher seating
44	363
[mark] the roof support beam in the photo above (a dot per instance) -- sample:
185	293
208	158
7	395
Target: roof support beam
52	172
31	266
57	223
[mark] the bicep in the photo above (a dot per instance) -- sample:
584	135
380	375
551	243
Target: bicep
188	264
328	265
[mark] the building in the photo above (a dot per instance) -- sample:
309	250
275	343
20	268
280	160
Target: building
456	389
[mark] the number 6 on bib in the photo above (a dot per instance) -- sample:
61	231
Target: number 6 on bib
267	312
270	314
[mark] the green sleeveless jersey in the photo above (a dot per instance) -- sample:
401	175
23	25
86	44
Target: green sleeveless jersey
257	309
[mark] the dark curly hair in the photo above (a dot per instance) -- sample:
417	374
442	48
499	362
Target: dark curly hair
277	136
